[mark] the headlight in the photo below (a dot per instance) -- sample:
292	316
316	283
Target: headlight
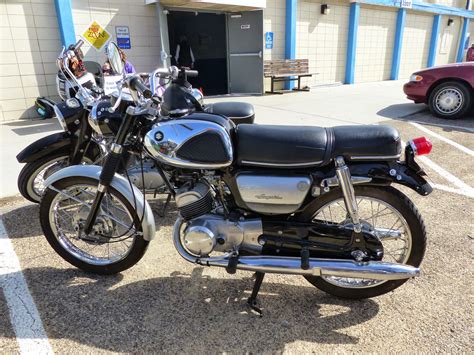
416	78
60	117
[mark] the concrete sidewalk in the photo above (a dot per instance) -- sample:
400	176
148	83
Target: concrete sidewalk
367	103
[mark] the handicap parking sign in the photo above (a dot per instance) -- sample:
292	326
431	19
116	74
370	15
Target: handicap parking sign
269	40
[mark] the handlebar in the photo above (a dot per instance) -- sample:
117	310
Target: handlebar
136	83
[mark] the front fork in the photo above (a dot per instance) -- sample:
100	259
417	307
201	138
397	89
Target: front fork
111	166
344	177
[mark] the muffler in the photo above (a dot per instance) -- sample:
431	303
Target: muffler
376	270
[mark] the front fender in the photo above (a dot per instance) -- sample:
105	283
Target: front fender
120	184
51	144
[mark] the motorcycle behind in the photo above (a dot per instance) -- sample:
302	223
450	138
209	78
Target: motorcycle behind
310	201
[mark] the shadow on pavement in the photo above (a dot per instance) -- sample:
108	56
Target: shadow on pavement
423	116
187	313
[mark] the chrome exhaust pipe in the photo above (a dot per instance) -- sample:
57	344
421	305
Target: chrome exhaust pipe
376	270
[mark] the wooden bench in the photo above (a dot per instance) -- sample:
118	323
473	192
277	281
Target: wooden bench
286	70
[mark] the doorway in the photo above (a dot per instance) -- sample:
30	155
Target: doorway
205	34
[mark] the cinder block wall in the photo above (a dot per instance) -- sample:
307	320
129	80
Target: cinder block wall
416	43
274	21
29	45
323	40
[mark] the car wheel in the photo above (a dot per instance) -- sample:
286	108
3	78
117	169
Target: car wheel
450	100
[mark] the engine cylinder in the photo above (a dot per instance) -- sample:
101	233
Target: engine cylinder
194	201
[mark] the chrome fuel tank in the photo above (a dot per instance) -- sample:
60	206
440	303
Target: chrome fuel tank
191	144
273	194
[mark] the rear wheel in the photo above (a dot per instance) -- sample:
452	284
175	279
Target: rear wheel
115	243
396	222
450	100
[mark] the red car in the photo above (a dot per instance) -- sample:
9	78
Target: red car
448	89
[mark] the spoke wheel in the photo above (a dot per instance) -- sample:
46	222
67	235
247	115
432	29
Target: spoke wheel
393	218
115	242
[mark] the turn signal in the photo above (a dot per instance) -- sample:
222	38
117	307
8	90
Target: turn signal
421	146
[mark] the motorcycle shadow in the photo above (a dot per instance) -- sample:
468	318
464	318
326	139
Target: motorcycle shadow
188	312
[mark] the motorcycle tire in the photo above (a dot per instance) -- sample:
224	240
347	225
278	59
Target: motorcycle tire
30	171
403	205
134	254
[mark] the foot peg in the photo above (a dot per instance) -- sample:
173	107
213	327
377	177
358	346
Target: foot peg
231	267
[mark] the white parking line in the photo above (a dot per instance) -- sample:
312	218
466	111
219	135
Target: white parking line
25	319
444	139
464	189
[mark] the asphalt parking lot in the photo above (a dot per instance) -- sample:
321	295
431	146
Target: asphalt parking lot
166	304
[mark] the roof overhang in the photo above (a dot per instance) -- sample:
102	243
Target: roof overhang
213	5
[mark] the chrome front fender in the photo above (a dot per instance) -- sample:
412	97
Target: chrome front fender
120	184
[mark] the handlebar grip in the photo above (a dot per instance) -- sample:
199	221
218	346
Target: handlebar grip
79	44
192	73
136	83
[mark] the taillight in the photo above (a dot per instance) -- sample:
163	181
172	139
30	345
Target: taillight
421	145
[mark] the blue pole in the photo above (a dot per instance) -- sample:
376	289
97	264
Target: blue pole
434	41
462	40
397	47
290	34
354	14
66	25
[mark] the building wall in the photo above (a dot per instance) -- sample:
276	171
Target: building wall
29	46
140	18
453	3
375	44
448	40
323	40
416	43
274	21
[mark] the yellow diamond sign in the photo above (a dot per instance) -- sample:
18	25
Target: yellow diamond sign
96	35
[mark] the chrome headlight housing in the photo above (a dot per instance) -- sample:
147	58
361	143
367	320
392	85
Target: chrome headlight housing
60	117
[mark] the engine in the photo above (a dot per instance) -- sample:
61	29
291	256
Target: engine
207	231
150	180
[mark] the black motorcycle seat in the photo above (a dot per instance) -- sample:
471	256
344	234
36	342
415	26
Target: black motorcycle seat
306	146
238	112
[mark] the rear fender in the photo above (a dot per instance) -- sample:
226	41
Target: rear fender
120	184
397	172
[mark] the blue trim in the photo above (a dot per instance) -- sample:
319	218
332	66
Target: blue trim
397	46
424	6
434	41
290	34
354	15
66	25
462	40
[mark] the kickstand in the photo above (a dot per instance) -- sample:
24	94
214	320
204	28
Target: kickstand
168	199
252	300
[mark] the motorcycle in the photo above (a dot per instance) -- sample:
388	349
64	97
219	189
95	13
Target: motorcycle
81	143
310	201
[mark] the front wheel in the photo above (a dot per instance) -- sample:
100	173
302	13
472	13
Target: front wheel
32	176
116	242
393	218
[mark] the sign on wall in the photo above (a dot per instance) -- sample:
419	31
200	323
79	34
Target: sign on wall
123	37
406	4
96	35
269	40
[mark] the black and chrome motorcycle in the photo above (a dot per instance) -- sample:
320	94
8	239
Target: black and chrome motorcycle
310	201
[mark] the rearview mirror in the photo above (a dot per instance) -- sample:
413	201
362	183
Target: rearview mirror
115	59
